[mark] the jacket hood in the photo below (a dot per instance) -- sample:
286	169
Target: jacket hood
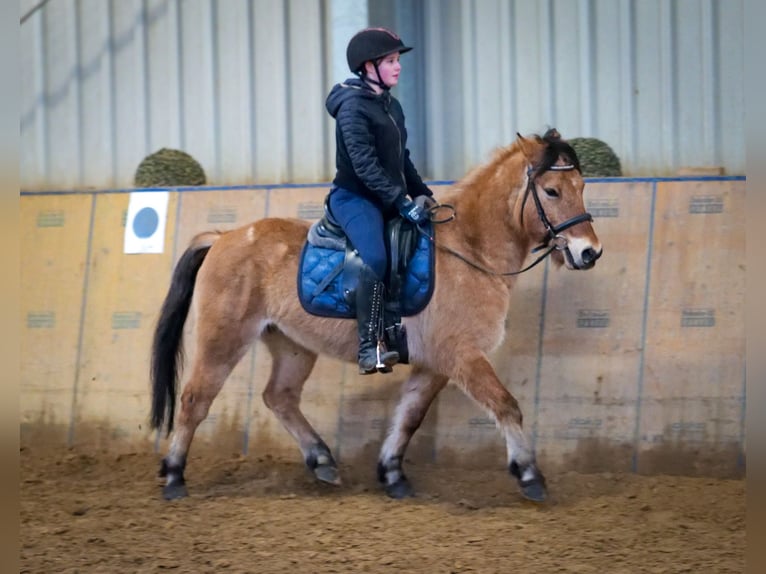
351	88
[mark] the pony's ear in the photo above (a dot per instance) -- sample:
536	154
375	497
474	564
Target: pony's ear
552	134
525	147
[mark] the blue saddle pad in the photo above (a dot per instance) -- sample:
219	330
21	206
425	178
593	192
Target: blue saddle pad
327	277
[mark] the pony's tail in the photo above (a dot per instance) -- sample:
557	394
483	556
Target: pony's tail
167	346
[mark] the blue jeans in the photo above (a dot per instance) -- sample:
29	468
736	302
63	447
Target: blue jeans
362	221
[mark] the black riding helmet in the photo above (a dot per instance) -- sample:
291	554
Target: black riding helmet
372	44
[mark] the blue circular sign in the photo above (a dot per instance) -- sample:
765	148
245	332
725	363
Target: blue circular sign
145	222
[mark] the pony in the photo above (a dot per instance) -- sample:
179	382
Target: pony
527	197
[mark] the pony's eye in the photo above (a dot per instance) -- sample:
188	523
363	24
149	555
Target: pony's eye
550	192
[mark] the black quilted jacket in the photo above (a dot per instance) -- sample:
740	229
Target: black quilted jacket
372	156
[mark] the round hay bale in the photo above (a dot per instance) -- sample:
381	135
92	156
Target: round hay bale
169	168
597	159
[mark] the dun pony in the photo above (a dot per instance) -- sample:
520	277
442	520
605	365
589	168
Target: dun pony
243	284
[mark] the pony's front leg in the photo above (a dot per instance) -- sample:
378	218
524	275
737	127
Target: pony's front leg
418	392
476	377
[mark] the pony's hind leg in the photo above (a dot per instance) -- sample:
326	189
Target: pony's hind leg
476	377
291	366
418	392
215	357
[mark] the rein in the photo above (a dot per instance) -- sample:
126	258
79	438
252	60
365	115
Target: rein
552	241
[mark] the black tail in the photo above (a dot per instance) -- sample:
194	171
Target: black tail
167	347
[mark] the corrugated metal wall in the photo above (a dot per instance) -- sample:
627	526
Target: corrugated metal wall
241	84
660	80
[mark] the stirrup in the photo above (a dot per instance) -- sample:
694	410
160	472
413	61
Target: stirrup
382	364
379	365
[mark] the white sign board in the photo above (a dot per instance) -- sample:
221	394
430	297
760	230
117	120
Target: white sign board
145	224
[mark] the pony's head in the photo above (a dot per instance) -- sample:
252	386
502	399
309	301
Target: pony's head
550	207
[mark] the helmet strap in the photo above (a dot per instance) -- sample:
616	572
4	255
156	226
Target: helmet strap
378	82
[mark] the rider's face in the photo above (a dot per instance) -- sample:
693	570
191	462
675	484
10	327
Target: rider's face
389	68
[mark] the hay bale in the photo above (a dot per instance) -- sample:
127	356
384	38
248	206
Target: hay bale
169	168
597	159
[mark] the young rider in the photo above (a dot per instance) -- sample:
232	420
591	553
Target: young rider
374	173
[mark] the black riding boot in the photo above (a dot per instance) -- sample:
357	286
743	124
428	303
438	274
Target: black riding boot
373	355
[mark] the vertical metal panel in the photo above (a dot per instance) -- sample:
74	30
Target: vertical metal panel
487	92
344	19
627	79
469	111
196	25
128	88
729	98
691	88
412	89
444	133
33	155
653	77
270	91
565	45
61	92
163	69
95	77
607	81
529	67
234	84
587	60
306	91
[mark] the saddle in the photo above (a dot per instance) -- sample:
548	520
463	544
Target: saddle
328	272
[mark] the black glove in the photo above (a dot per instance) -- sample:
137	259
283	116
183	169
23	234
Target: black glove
410	210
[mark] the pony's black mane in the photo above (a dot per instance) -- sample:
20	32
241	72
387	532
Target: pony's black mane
555	148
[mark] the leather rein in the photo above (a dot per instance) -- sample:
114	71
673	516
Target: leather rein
553	239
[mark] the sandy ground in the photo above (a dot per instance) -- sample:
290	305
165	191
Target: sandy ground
104	513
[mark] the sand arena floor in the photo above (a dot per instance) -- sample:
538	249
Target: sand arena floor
104	513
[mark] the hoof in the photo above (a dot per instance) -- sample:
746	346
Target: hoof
319	460
400	489
328	474
531	481
174	491
534	490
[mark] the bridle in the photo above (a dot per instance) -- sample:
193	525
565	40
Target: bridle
553	239
553	232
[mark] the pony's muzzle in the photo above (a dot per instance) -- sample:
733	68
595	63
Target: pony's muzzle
581	254
577	253
589	257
